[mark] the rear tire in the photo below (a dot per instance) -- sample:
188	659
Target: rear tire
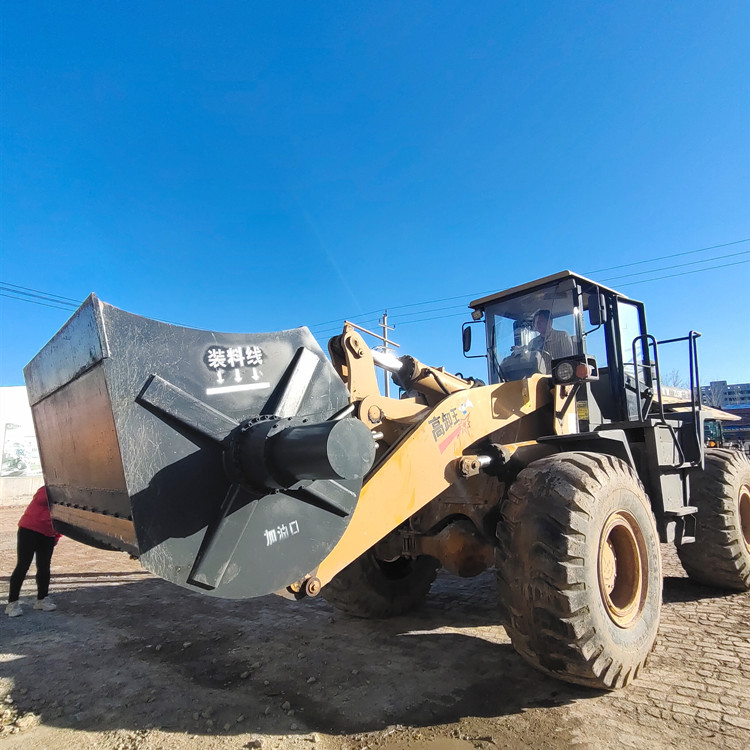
369	587
579	569
720	554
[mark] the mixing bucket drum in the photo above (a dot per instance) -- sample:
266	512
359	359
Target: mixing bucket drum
227	462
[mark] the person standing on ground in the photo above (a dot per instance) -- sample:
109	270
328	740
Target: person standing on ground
36	536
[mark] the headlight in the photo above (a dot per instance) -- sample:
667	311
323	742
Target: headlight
576	369
564	372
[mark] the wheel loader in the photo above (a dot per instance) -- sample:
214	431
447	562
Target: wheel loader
239	465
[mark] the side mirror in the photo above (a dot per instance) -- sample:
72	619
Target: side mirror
466	336
598	311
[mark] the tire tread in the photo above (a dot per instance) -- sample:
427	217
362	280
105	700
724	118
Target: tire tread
544	598
360	590
718	557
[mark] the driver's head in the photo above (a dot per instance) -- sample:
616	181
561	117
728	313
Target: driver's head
541	321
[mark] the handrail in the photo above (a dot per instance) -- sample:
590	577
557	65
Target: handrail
695	397
695	384
649	339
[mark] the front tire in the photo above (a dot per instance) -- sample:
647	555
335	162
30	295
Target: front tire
720	554
579	569
373	588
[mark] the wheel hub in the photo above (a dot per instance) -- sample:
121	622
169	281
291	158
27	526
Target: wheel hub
623	568
744	502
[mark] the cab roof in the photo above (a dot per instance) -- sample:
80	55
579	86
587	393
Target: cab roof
555	277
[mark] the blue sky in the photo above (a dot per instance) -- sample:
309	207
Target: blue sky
258	166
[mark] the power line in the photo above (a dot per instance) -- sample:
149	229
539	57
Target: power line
631	283
27	297
404	318
436	317
351	317
35	302
686	273
410	304
39	297
442	299
477	295
401	321
38	291
680	265
613	278
673	255
371	323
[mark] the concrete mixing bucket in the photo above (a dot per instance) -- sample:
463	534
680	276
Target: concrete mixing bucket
227	462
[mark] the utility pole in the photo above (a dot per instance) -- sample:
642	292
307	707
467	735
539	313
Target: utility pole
383	323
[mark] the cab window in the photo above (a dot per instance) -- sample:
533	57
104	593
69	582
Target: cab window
526	332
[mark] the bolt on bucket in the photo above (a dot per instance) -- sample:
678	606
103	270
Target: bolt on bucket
227	462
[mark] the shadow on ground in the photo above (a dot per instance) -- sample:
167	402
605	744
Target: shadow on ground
680	589
150	654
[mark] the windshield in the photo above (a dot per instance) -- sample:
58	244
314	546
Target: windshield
527	332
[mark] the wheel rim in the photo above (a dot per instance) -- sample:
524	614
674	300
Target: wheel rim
745	514
623	569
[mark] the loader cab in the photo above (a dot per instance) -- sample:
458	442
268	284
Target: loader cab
584	320
619	405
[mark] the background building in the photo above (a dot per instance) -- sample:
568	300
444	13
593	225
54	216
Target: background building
20	469
736	399
722	395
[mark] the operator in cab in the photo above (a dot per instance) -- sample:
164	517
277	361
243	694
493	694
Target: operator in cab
537	354
550	341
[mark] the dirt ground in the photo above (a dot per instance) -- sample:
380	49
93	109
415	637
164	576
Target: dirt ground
129	662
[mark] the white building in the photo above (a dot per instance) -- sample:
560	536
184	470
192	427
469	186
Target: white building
20	469
721	394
